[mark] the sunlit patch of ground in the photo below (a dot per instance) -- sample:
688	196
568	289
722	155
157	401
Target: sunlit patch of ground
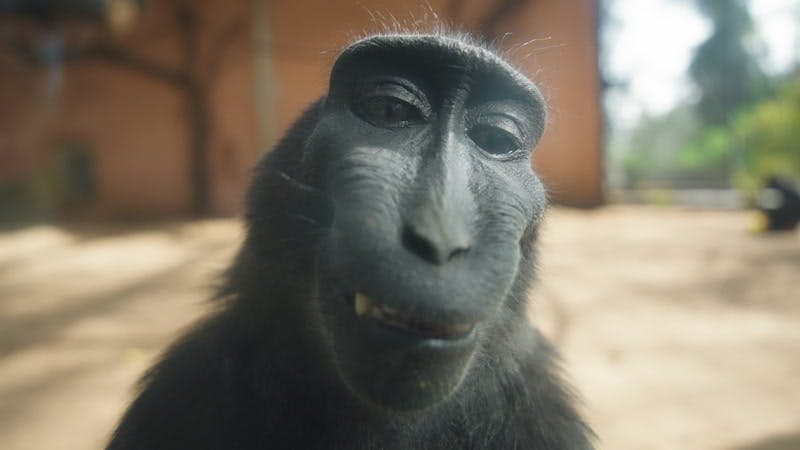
681	330
82	314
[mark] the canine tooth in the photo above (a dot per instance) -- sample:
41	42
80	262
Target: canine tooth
462	328
363	304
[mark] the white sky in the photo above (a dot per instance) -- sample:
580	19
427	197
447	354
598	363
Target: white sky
652	42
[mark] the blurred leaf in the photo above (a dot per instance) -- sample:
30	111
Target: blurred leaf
725	67
761	141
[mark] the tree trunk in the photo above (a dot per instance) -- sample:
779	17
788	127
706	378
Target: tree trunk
199	131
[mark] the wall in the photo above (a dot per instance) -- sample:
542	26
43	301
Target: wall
137	127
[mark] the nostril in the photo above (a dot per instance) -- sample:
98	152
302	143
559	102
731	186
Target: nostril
420	246
457	252
435	251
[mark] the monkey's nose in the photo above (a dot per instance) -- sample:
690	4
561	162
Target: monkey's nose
434	242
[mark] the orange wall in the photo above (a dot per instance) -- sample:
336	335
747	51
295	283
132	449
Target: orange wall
570	158
137	127
138	135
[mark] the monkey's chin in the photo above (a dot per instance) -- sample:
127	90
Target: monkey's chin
396	368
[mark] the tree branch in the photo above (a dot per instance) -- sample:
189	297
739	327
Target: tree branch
102	52
223	41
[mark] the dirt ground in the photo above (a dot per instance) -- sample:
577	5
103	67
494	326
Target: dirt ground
680	329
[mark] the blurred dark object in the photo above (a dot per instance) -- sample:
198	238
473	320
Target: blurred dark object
118	15
52	10
779	203
48	10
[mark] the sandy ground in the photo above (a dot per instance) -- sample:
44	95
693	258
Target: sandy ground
681	330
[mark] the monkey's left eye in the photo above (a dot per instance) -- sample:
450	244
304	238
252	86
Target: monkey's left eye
494	140
388	111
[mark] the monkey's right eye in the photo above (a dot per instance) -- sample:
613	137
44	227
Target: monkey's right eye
388	111
494	140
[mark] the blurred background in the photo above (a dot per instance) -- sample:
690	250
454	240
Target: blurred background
670	272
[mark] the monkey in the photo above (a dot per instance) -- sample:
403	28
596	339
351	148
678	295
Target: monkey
778	205
378	300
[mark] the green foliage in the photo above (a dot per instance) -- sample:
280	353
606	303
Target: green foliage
770	133
725	67
648	155
740	131
762	140
712	150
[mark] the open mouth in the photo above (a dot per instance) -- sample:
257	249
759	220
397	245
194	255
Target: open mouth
367	308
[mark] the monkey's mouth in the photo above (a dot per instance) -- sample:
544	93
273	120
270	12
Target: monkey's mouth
367	308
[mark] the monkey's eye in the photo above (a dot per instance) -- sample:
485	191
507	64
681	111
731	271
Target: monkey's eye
388	111
494	140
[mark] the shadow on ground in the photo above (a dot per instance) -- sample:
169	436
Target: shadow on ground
783	442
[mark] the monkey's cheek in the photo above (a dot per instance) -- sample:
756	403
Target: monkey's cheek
392	369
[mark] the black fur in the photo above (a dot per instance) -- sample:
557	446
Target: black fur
286	364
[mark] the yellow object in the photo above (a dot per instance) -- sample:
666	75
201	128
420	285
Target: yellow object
758	222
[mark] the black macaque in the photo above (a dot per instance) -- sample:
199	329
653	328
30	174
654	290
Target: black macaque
379	299
779	204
